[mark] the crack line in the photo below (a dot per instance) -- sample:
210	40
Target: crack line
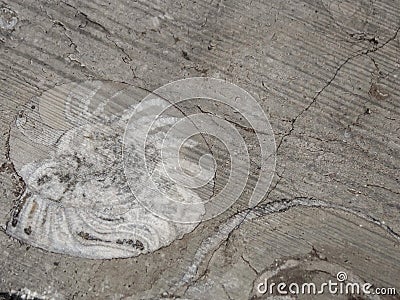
211	244
315	98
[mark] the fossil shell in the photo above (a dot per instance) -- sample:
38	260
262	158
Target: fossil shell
77	200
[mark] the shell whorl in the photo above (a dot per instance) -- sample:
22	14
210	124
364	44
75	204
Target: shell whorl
77	200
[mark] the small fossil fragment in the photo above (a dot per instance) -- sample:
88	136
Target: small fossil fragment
8	18
378	91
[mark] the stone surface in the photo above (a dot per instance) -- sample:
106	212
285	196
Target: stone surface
327	75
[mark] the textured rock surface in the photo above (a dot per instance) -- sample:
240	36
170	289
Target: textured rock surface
327	74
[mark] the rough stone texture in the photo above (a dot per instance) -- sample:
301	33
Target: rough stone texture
327	74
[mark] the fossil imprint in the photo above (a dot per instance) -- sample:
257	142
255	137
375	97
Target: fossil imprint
77	200
107	175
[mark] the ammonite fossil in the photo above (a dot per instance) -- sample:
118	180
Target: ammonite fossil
109	173
67	146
